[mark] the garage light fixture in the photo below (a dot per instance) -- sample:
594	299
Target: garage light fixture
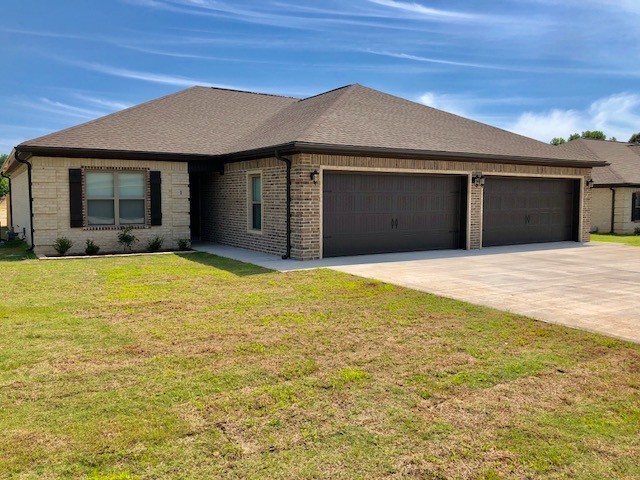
478	180
589	182
315	176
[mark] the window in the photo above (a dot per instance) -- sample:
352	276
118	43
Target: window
115	198
635	207
255	202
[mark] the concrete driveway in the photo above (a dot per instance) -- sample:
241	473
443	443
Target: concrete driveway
595	286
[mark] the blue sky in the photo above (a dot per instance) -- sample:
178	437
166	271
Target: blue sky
537	67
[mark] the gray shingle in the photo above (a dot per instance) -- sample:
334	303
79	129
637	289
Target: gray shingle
624	159
210	121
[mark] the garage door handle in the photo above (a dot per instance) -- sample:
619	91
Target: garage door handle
394	223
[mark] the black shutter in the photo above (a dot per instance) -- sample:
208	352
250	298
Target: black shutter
155	182
75	197
635	207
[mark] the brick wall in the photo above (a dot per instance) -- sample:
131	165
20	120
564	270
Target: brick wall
50	176
225	206
623	225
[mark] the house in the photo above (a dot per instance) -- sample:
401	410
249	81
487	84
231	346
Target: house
349	171
615	196
4	212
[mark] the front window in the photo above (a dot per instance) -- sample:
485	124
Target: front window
635	207
115	198
256	202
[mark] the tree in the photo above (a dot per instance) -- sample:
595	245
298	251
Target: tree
4	182
635	138
593	135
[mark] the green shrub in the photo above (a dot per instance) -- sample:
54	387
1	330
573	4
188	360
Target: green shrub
62	245
184	244
636	231
127	239
91	248
155	243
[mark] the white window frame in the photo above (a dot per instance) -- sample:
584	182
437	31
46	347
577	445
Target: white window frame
250	202
116	198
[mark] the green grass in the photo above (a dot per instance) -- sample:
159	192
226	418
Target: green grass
633	240
195	366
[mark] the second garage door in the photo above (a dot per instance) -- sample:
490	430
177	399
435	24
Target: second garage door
529	210
376	213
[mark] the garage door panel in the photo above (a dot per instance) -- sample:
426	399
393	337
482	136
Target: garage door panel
527	210
375	213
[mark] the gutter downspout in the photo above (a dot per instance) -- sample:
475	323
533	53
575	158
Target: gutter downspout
4	175
33	244
613	208
287	161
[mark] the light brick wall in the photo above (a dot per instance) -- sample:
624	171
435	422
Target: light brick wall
623	225
21	221
225	206
50	177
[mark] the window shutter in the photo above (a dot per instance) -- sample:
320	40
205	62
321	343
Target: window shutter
635	207
155	183
75	197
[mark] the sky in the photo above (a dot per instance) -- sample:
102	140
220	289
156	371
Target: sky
541	68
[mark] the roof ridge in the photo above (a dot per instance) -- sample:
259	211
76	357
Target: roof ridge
112	114
330	108
250	92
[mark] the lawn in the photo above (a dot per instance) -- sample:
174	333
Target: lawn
195	366
633	240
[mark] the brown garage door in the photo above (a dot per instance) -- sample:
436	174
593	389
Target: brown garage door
376	213
529	210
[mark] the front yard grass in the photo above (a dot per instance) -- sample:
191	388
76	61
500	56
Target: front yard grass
195	366
633	240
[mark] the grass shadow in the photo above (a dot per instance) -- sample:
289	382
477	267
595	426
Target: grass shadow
15	251
240	269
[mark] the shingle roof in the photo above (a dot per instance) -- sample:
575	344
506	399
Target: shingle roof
624	159
211	121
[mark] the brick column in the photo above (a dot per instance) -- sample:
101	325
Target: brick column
586	213
475	215
305	209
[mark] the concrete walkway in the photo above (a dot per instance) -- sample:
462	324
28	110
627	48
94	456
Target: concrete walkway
594	286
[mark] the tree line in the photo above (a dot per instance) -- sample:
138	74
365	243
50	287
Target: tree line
593	135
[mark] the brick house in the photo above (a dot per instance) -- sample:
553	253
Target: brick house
350	171
616	187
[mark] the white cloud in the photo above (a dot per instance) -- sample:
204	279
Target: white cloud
419	9
617	115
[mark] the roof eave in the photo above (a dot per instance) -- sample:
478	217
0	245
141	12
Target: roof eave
305	147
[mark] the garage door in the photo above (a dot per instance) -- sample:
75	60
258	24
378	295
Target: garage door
529	210
377	213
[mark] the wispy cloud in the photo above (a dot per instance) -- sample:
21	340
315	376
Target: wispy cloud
432	13
177	80
516	68
103	102
164	79
617	115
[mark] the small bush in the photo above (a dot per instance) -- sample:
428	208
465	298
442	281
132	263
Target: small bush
127	239
636	231
62	245
155	244
91	248
184	244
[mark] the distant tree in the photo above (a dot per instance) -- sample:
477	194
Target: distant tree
612	139
635	138
593	135
4	182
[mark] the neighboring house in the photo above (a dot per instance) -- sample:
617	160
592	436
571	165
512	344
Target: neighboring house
350	171
4	211
615	197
